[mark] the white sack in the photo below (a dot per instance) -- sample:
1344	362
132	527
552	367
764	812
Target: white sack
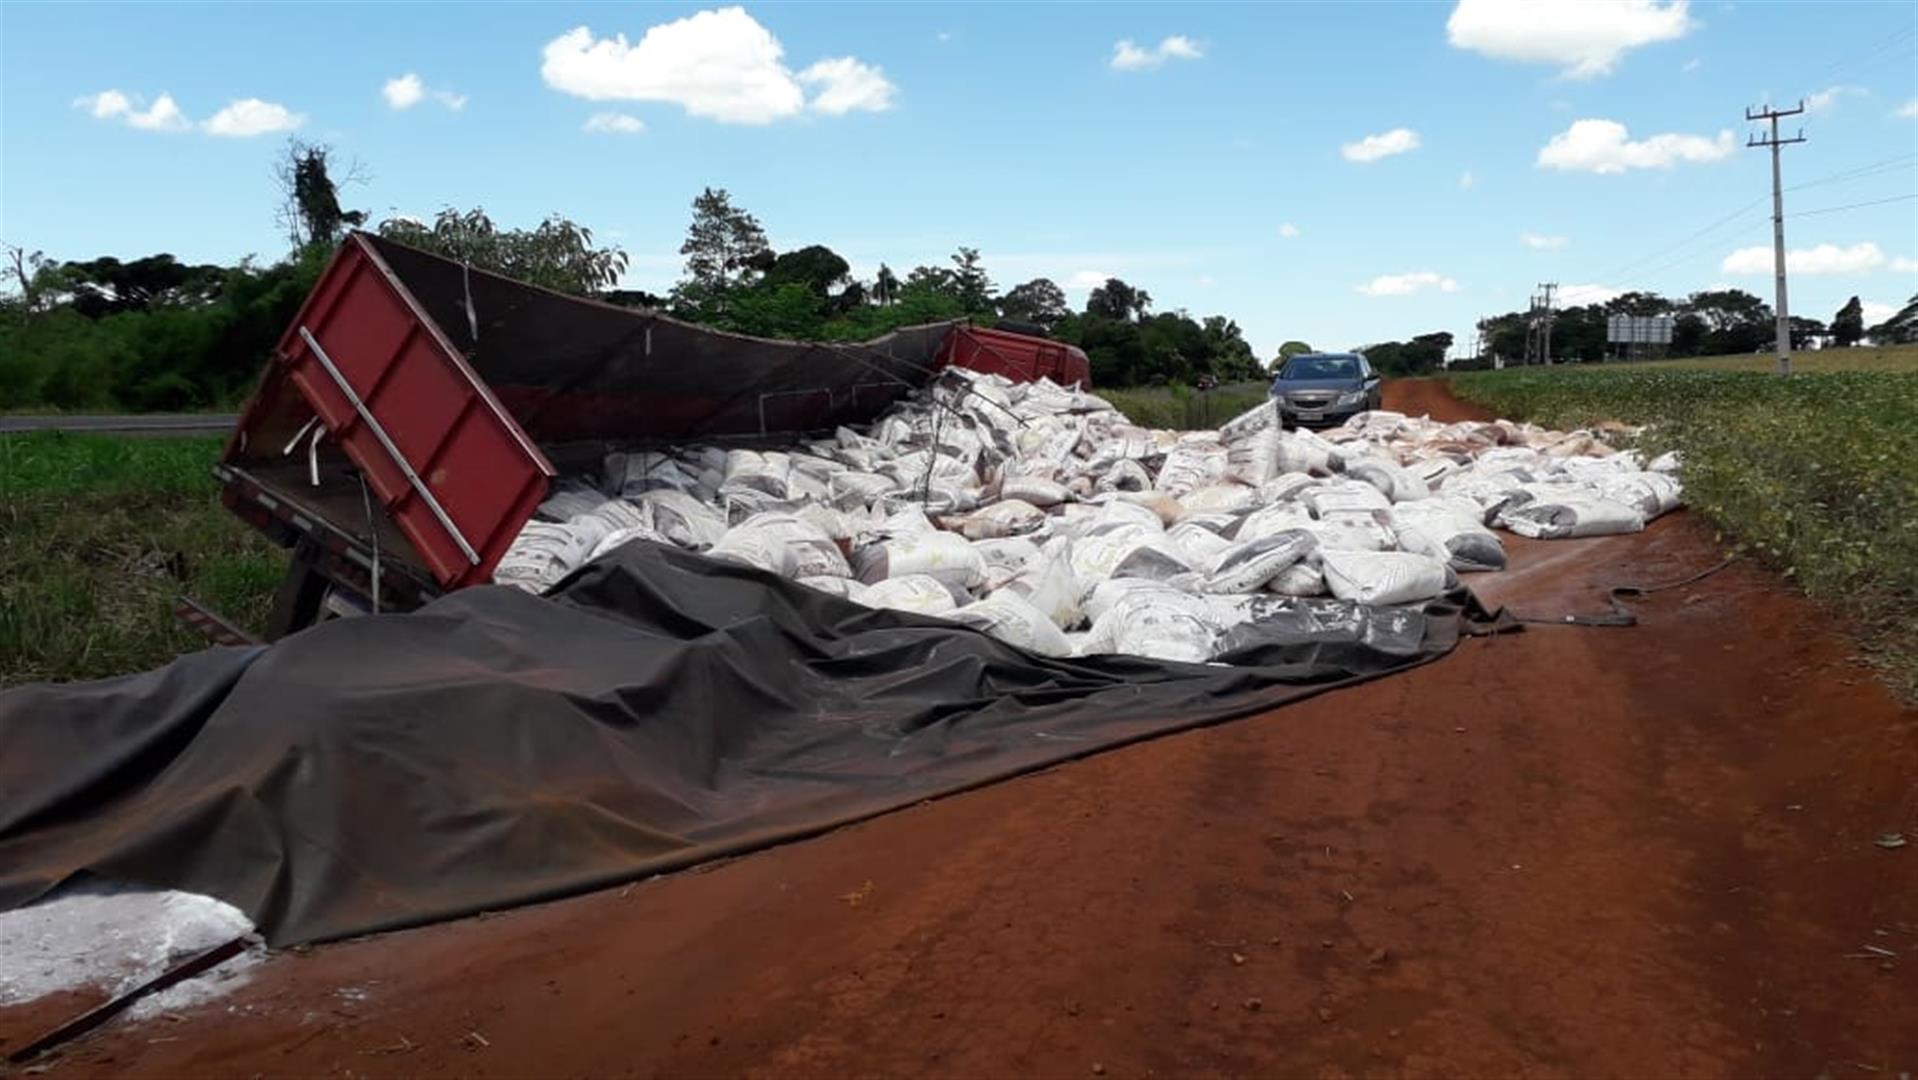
1382	578
1012	620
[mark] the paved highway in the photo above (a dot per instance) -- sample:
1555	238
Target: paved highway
149	423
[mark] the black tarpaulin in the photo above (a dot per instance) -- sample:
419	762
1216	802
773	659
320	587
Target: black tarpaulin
496	748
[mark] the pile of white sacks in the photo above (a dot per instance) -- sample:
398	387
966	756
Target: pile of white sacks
1040	515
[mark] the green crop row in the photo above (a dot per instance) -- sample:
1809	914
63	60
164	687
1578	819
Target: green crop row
1816	474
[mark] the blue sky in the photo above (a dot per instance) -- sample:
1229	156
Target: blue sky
1337	173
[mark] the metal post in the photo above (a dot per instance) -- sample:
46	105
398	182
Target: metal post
1778	222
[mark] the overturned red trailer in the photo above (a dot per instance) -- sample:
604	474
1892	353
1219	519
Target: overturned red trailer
414	415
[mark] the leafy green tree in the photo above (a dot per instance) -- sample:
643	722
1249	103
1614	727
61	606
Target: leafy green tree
1040	301
1118	301
725	247
1291	349
107	286
969	278
817	267
1901	328
1735	320
933	279
1639	303
1805	332
1848	326
558	254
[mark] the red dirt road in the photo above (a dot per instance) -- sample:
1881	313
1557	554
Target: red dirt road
1569	852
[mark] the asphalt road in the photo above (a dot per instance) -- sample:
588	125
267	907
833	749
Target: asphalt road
149	422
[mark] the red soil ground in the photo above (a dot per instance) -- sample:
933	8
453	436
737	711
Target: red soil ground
1640	852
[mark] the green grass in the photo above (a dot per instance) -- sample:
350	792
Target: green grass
1183	408
98	534
1816	474
1817	362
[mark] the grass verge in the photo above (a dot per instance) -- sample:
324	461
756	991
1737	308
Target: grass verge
98	534
1183	408
1817	474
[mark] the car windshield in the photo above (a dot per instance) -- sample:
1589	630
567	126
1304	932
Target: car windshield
1321	367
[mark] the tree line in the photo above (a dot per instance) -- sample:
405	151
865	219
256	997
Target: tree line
155	333
1711	322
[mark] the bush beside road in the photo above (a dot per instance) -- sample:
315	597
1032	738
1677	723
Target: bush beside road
1813	474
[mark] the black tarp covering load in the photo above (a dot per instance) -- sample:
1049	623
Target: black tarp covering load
495	748
568	368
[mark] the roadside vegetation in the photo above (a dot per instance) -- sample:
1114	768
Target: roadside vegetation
1185	408
1813	474
98	534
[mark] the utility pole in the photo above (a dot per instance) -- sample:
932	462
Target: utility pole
1778	220
1545	304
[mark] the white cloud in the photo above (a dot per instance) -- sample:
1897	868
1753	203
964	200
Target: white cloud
1692	65
844	85
1206	281
1828	97
1542	243
1823	259
409	90
1467	181
248	117
1127	56
1904	264
720	65
1604	146
614	123
944	35
1583	38
1581	295
404	92
1085	280
1875	312
1908	111
1288	230
1383	145
1407	284
162	115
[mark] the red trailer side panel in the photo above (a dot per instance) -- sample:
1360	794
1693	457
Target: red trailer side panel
450	466
1019	357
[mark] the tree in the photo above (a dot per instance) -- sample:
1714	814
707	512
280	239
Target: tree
310	212
1848	326
969	278
936	280
1735	320
1291	349
107	286
1639	303
724	245
816	267
1118	301
1040	301
885	286
1805	332
558	254
1901	328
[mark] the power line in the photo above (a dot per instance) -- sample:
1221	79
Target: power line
1856	205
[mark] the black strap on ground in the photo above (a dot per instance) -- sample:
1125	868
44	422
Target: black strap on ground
1620	615
113	1007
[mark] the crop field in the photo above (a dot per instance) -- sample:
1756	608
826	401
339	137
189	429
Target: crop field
98	534
1814	474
